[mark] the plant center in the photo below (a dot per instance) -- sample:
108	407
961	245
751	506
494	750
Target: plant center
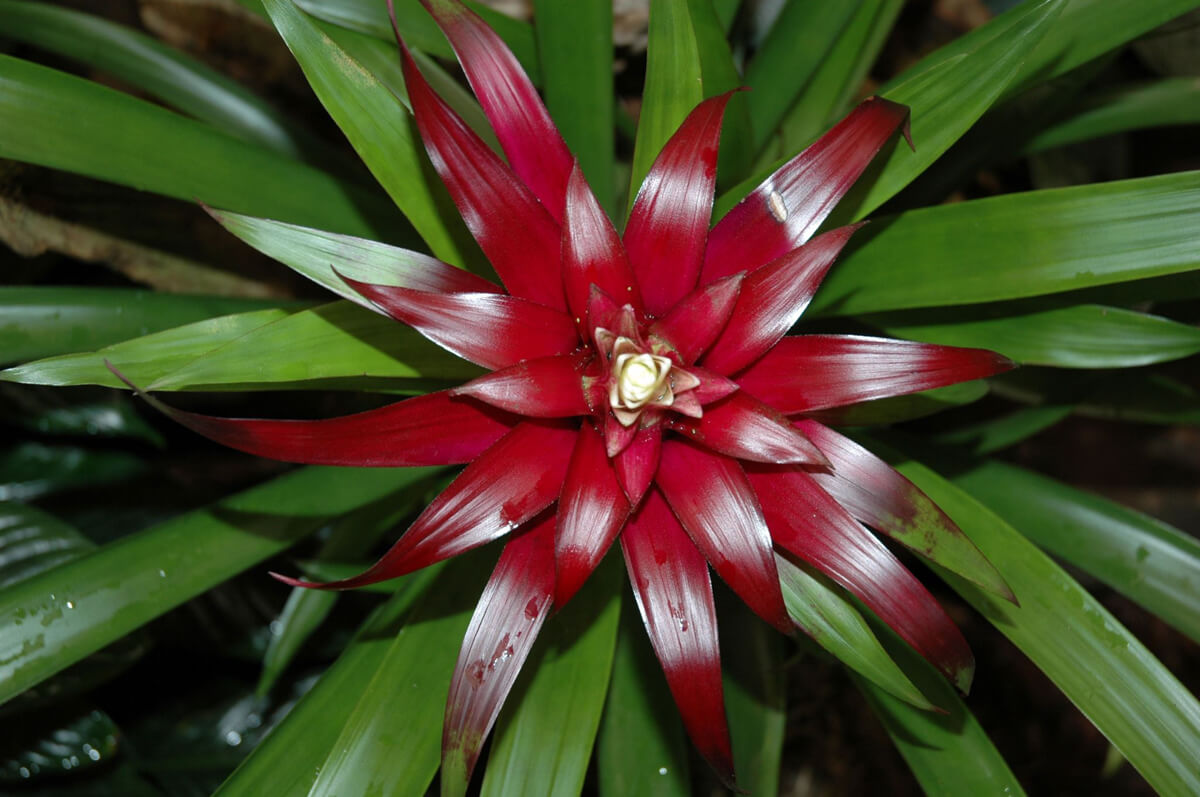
637	379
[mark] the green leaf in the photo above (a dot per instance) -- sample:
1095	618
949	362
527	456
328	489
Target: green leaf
895	409
1020	245
999	433
143	359
544	735
1102	668
315	254
1147	561
755	696
1086	30
60	414
946	100
289	760
1170	101
1139	396
948	751
306	609
381	58
419	30
391	741
832	619
33	470
65	740
59	616
642	751
827	95
378	126
674	84
1143	398
576	47
789	57
44	321
720	74
416	26
1083	336
32	541
64	122
161	71
338	340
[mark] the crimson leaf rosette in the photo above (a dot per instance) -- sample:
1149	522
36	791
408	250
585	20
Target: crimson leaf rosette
643	388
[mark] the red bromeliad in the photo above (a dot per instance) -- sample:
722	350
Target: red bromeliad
642	388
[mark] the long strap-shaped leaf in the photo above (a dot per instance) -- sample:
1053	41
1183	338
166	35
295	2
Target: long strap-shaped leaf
400	706
164	72
545	735
671	584
317	253
510	612
945	102
812	372
57	120
715	504
673	84
1102	668
502	489
1148	561
1080	336
125	584
514	229
532	143
1026	245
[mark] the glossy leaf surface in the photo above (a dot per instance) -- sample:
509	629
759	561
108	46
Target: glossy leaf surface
289	760
1169	101
1126	692
641	750
124	585
674	85
50	321
1148	561
1020	245
510	612
948	751
874	493
712	498
674	595
575	44
808	523
516	232
756	697
162	71
1080	336
545	734
321	256
830	617
592	508
401	704
377	125
531	142
945	101
195	162
812	372
143	359
827	95
788	57
338	340
668	224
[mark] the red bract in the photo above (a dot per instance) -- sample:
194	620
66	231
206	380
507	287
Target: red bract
643	389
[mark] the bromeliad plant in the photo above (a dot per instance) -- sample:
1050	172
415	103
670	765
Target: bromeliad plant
643	390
